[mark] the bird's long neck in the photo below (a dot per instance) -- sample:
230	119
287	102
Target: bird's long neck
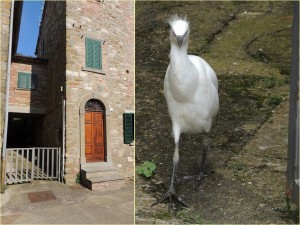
183	75
178	57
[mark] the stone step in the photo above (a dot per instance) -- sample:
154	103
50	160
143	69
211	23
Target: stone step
104	182
94	172
103	166
105	178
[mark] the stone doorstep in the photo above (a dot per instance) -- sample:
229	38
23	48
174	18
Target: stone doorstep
104	182
97	170
102	166
96	173
101	176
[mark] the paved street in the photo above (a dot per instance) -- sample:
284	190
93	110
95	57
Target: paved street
73	205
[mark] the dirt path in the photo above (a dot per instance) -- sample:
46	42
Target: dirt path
250	189
248	45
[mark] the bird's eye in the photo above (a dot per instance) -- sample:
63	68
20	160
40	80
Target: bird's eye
185	33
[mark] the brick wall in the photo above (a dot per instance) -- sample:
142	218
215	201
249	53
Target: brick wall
113	23
28	98
5	20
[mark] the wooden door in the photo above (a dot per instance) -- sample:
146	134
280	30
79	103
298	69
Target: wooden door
94	137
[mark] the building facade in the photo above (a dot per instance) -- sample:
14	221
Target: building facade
79	92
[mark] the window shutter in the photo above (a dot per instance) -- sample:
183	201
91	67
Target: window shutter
93	54
88	53
22	80
128	124
97	54
27	81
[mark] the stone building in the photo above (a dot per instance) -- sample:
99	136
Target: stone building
78	93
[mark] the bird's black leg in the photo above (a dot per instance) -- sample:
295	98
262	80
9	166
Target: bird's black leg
199	177
171	193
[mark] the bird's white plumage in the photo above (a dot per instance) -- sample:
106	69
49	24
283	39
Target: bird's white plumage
179	26
190	86
191	91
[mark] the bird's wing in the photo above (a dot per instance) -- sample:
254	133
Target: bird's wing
201	63
205	70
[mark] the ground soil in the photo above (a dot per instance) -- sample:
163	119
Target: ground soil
248	44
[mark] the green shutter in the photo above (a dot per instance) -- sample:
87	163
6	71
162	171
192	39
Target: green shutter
93	54
27	81
97	57
88	53
128	123
22	80
100	55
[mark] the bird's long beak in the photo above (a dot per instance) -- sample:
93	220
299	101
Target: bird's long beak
179	39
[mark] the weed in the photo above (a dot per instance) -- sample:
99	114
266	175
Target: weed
237	167
188	217
163	215
269	82
275	100
146	169
289	212
78	178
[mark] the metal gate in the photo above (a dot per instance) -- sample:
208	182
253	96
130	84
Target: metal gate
27	164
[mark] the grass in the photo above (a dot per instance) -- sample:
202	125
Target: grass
290	211
188	215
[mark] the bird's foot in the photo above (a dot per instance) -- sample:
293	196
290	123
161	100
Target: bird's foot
170	194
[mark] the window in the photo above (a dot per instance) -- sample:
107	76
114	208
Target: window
27	81
128	125
93	54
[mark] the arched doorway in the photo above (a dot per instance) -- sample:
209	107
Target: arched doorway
95	138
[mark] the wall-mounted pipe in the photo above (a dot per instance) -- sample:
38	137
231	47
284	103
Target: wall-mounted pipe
3	153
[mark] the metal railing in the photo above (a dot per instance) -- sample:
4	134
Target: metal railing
27	164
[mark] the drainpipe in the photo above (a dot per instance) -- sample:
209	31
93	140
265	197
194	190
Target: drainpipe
3	155
63	133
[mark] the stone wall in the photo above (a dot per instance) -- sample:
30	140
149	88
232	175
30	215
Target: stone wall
52	46
113	23
5	23
19	98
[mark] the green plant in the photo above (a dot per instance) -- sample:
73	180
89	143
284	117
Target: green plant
188	216
146	169
290	211
275	100
270	82
78	178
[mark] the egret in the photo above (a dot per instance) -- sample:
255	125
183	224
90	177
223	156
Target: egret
191	92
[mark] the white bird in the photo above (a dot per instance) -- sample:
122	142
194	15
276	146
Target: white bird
191	92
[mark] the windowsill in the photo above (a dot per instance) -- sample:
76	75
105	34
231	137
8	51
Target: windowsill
93	70
25	89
